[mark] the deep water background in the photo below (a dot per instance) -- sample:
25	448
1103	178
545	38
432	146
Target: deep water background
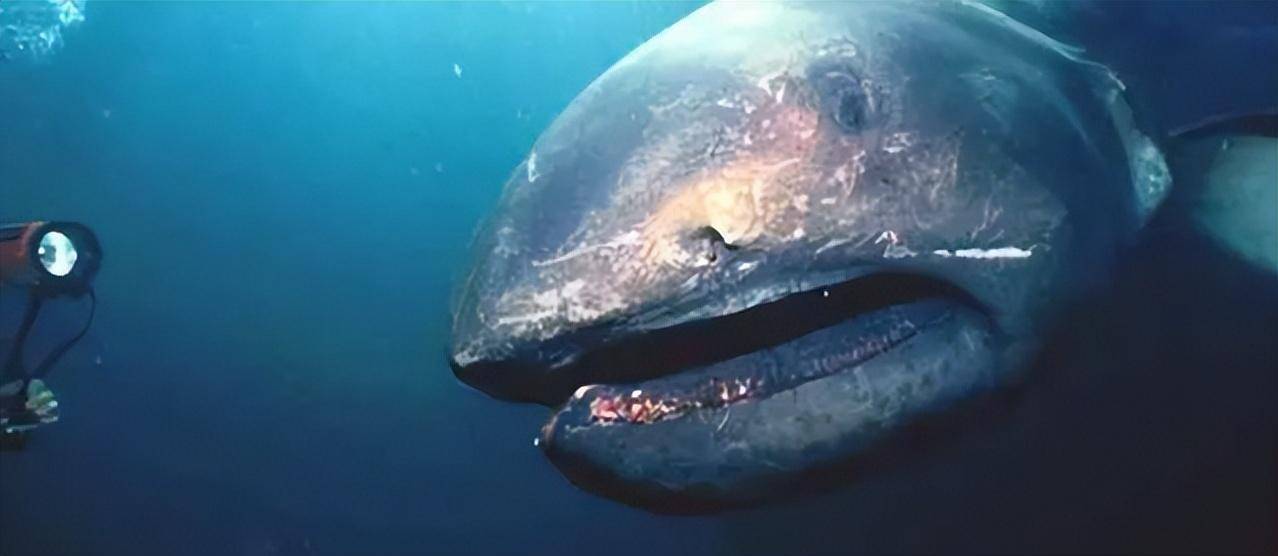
285	192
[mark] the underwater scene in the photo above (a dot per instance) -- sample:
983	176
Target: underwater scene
638	277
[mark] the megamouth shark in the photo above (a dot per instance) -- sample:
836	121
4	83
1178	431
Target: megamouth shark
777	234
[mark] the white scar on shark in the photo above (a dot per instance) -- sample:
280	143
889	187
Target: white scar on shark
532	168
996	253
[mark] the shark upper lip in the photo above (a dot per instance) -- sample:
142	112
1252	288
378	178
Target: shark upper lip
647	355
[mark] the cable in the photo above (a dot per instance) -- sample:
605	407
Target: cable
13	367
61	350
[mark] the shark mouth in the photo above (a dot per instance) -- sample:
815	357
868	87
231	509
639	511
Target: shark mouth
677	371
719	411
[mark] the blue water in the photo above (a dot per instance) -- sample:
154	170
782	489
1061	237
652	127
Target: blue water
285	193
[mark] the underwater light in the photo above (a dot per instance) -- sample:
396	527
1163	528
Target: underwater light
57	253
50	258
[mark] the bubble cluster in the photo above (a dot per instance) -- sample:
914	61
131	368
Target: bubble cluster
32	29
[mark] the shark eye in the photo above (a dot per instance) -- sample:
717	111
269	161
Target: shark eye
840	95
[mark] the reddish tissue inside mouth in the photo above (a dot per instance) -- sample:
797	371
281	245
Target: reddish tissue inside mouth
612	405
640	408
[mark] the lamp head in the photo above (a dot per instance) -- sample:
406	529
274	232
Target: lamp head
50	258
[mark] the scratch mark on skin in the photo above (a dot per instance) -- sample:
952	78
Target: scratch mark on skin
990	214
466	357
626	239
765	82
888	236
895	248
724	422
831	245
898	142
863	385
532	168
996	253
528	318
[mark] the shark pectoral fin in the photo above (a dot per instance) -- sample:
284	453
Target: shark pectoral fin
1227	177
1238	205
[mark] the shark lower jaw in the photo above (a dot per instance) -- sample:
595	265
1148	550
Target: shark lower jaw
742	430
723	410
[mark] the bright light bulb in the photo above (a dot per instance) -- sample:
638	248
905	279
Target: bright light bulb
57	253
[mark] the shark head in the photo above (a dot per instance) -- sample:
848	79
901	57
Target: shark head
776	233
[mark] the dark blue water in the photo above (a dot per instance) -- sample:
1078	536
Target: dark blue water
285	192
